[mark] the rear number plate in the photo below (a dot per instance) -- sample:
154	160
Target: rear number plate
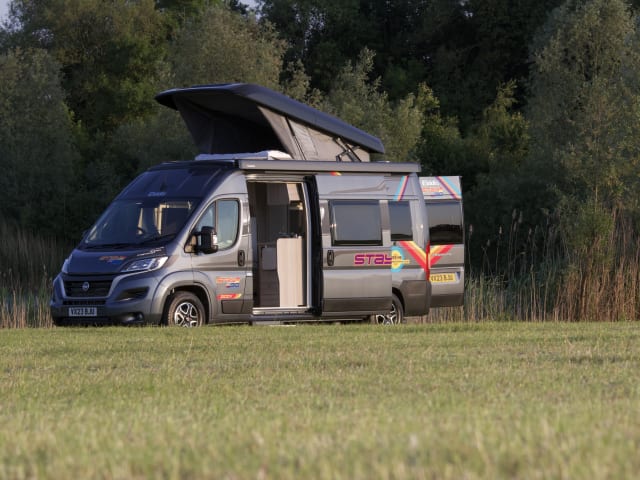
443	277
83	311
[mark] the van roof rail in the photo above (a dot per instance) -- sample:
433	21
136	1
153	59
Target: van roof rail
328	166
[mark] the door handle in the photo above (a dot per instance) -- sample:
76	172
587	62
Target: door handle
330	258
241	258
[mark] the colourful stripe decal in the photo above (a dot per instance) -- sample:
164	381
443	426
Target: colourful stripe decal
453	191
402	186
229	296
417	253
437	252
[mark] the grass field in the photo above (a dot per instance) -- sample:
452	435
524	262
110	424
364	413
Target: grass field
458	400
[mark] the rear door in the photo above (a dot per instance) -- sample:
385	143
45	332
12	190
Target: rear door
356	245
443	197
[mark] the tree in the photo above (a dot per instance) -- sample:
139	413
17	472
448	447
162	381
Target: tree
216	45
462	49
504	203
358	101
477	45
585	124
110	52
36	143
315	33
220	46
584	107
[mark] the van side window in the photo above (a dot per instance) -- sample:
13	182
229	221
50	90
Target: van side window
445	223
223	215
400	216
355	222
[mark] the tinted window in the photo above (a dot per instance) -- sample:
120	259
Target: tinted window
445	223
223	215
356	222
194	182
401	226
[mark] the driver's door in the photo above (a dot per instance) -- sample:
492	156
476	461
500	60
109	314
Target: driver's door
225	271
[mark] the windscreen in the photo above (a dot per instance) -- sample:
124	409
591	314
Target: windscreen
130	222
154	207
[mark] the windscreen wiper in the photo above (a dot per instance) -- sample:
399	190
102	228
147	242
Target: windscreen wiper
156	238
108	245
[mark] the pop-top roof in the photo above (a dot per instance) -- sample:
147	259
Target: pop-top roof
242	117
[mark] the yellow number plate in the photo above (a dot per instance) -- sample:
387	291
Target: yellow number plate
443	277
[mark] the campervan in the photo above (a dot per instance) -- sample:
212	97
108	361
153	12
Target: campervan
443	198
282	217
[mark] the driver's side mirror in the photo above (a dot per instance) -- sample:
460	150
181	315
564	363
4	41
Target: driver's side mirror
208	240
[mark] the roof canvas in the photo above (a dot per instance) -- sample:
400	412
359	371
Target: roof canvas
242	117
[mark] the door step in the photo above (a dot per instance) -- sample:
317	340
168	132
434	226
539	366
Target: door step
278	315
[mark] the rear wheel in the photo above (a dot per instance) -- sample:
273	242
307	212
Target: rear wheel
394	316
184	309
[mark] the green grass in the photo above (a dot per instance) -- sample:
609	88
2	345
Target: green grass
487	400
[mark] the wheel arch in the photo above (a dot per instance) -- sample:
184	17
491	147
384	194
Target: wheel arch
198	290
398	293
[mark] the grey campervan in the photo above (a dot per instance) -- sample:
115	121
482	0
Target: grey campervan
305	229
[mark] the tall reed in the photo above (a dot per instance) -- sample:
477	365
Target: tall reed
28	263
539	278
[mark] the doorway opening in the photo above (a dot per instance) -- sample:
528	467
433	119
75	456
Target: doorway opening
280	232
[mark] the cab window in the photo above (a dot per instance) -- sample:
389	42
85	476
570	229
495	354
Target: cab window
224	216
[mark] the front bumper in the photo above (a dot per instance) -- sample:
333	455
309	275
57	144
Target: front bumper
104	300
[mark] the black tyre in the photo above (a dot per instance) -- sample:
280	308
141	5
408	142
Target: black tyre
395	315
184	309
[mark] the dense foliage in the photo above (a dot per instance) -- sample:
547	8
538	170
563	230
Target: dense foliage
535	103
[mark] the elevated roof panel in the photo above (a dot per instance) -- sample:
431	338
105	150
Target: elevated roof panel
248	117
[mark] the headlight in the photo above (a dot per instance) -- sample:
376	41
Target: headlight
145	264
65	265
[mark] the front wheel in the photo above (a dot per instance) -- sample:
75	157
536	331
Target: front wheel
184	309
395	315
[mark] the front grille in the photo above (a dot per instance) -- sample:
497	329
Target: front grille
96	288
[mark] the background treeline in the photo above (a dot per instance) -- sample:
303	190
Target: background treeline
536	103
